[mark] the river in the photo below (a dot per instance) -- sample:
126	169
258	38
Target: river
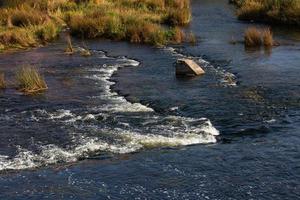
120	125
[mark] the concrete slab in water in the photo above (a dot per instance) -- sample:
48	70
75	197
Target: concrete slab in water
188	67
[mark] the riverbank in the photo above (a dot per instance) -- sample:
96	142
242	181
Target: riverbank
285	12
25	24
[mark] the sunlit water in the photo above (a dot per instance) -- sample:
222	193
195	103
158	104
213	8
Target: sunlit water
120	125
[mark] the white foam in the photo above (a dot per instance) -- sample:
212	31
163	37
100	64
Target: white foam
154	130
132	142
61	114
225	78
270	121
116	103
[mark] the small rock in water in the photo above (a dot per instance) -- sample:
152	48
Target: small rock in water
188	67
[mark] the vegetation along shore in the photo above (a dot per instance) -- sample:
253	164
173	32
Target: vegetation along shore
30	23
285	12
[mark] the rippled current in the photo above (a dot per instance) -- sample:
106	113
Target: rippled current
120	125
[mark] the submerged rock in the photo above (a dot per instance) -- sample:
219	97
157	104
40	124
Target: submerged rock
188	67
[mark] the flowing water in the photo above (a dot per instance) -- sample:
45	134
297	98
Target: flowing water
120	125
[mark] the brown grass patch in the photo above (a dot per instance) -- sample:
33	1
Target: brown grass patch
267	38
69	50
253	37
28	23
191	38
2	81
178	35
272	11
30	80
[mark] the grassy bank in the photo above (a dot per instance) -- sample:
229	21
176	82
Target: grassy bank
30	23
271	11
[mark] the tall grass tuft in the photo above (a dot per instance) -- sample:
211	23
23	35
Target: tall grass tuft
253	37
177	35
30	80
178	17
191	38
2	81
18	37
47	32
267	38
69	50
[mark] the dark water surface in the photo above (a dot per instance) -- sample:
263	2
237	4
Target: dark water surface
230	134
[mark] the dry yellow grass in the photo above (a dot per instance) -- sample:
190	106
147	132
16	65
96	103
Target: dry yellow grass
191	38
69	50
253	37
2	81
29	80
273	11
19	36
27	23
250	9
267	38
178	35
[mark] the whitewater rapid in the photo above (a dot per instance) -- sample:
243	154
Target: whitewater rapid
109	127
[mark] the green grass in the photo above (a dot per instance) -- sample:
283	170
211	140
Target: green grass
29	80
30	23
272	11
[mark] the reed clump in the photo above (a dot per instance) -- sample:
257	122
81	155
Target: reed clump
191	38
2	81
272	11
255	37
29	80
267	37
69	49
178	17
